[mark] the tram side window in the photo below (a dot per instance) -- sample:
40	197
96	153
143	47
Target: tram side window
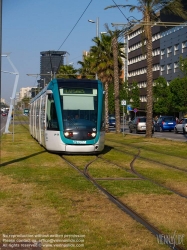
52	121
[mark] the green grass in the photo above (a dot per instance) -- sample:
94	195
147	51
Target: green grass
159	146
41	193
102	169
162	174
121	188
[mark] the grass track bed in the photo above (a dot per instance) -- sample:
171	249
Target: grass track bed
42	194
159	146
169	177
102	169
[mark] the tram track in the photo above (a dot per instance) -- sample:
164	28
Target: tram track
84	171
154	182
142	177
120	204
144	148
23	121
139	176
148	159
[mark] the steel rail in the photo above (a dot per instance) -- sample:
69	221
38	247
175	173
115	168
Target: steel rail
142	177
165	164
151	228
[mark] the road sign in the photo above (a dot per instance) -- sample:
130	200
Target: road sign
135	110
123	102
129	107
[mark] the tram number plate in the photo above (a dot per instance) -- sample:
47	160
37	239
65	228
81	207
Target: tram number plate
79	142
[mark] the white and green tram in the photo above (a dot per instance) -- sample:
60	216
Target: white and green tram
68	116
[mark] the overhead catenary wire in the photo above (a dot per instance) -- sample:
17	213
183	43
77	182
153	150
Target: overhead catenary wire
83	13
75	24
69	35
120	10
81	17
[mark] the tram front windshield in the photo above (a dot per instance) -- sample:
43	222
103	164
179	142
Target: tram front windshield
79	108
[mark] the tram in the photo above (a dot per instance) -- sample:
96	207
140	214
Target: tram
68	116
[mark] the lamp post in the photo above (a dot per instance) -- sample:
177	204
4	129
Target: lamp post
97	33
1	3
97	25
13	93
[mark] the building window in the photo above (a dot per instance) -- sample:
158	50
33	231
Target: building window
162	53
143	98
156	37
156	67
156	52
169	51
176	67
176	49
184	47
134	34
169	68
142	85
162	69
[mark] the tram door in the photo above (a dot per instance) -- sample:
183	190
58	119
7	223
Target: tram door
52	126
42	120
51	114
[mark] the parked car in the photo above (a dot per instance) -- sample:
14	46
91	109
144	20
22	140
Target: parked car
4	114
138	124
112	122
165	123
181	126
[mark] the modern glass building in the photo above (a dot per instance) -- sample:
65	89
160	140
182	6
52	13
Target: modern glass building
50	62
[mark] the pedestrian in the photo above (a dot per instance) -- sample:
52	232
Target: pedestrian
177	120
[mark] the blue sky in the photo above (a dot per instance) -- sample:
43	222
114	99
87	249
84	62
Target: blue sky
32	26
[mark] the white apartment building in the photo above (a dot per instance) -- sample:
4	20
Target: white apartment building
2	100
24	92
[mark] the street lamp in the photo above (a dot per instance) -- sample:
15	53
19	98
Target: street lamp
97	33
97	25
13	93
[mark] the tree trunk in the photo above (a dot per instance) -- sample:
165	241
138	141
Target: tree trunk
106	108
149	115
116	84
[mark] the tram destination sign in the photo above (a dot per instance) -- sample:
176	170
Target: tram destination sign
77	91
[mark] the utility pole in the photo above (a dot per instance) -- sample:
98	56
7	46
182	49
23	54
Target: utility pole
1	3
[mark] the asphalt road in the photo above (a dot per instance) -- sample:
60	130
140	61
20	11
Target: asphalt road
167	135
164	135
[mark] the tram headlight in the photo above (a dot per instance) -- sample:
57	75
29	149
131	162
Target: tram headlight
92	134
68	134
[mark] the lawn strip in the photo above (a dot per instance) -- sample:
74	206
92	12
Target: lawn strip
41	194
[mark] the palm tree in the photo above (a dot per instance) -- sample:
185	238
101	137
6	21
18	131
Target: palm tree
86	70
108	64
149	9
67	71
116	83
103	66
100	61
118	54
